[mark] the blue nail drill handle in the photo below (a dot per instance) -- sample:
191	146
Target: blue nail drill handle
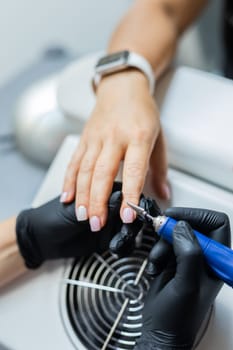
218	256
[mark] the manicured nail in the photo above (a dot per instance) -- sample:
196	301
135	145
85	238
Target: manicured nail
63	197
95	224
166	191
128	215
81	213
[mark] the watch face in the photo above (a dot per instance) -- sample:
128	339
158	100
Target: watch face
112	62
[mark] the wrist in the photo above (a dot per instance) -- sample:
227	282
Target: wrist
120	61
123	82
7	233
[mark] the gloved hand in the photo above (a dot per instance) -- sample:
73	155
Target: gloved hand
52	231
123	243
181	295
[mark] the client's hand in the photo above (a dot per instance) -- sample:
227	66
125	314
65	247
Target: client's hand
124	125
183	292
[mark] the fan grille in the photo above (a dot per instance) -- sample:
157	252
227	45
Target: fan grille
89	315
92	312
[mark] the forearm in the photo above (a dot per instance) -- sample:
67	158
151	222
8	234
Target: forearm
11	262
153	27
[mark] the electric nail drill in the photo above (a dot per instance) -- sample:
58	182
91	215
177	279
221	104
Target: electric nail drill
218	256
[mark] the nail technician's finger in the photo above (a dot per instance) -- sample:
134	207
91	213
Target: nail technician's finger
158	166
134	173
158	257
69	186
84	179
189	257
211	223
104	174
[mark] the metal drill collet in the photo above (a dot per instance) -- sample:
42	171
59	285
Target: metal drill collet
157	221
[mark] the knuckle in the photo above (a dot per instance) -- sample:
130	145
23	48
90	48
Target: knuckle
143	135
70	177
192	254
71	168
102	171
97	205
82	196
75	158
86	166
112	135
131	197
98	201
134	169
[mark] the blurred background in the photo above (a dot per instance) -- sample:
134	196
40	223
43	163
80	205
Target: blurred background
28	27
39	38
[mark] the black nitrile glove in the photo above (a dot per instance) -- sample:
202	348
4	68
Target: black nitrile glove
123	243
204	221
181	295
52	231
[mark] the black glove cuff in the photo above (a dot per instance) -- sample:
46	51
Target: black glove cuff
28	247
157	340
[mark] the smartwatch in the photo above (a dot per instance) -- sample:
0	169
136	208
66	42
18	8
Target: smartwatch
122	60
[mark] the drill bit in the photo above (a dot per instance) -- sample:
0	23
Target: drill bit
141	212
156	221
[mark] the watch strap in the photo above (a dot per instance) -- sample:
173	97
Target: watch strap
134	61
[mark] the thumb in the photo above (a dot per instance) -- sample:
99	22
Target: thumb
123	243
189	257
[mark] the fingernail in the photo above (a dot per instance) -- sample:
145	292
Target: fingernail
63	197
95	224
81	213
128	215
166	191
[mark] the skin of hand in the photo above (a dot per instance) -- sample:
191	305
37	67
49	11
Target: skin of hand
123	126
185	287
11	262
52	231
